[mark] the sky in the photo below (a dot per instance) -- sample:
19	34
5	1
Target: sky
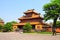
11	10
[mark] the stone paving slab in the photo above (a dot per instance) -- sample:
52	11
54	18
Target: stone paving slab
19	36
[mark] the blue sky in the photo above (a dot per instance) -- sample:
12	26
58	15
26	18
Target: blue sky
13	9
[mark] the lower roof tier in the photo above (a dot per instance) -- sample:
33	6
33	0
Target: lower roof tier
22	18
32	23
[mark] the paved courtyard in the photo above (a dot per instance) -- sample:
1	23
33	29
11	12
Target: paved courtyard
19	36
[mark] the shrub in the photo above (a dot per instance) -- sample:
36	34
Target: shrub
7	27
27	27
1	27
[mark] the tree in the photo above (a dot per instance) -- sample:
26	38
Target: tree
52	11
58	2
9	26
13	22
27	27
1	27
58	24
55	1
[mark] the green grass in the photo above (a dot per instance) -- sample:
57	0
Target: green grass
45	32
39	33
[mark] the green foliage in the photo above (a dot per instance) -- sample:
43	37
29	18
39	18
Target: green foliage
13	22
52	10
1	27
27	27
58	24
8	27
56	1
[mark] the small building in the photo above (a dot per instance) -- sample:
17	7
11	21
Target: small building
48	28
1	22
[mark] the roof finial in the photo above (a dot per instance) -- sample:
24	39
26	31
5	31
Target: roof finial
33	10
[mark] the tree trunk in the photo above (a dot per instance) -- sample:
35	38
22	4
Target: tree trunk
54	25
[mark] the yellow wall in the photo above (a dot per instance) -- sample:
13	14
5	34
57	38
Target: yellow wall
38	27
14	27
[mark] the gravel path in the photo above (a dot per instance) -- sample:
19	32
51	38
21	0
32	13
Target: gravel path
19	36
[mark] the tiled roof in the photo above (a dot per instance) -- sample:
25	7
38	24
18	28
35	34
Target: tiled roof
36	16
30	11
32	23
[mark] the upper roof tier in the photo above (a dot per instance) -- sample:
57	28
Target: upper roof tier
31	11
30	17
31	14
